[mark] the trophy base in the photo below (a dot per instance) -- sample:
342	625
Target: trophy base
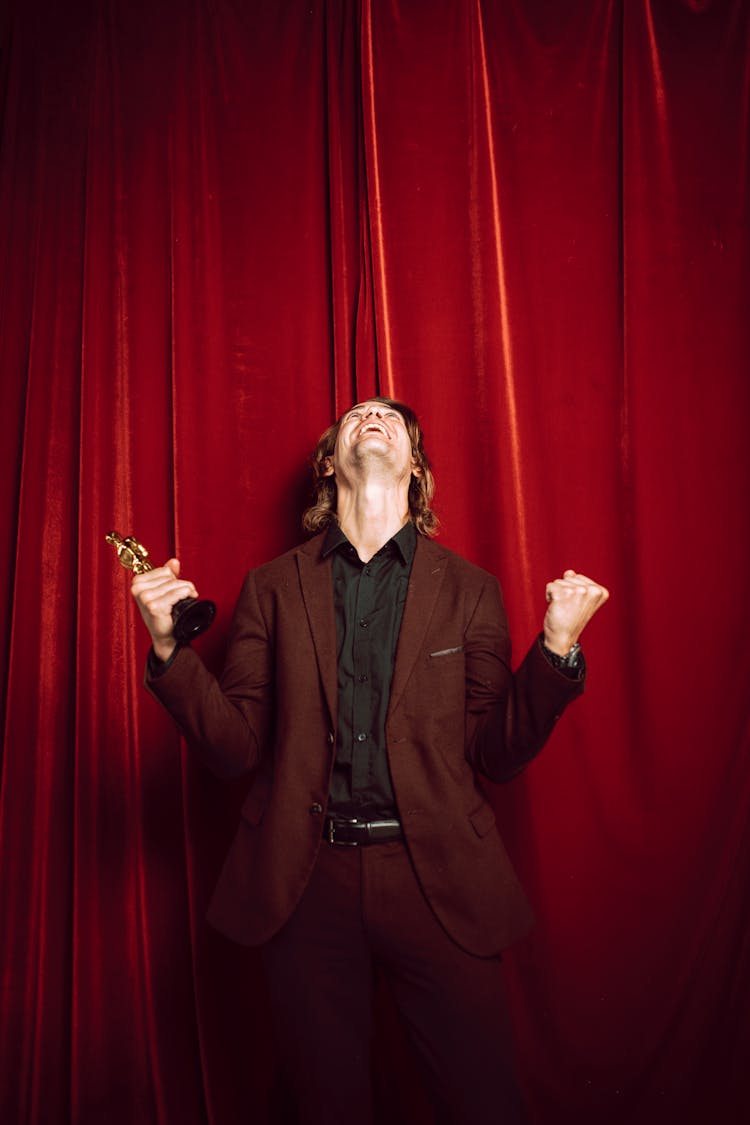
191	617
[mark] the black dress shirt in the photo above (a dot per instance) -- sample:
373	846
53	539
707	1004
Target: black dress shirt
368	601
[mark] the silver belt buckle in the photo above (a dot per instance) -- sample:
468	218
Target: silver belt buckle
341	843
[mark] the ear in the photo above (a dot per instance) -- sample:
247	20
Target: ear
328	467
415	469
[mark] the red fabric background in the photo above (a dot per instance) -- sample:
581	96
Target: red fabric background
220	222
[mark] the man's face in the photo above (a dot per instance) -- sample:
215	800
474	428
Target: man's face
373	434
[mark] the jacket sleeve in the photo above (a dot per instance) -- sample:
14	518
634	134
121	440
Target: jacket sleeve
227	721
509	716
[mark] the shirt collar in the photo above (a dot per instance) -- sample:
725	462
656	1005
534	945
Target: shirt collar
404	540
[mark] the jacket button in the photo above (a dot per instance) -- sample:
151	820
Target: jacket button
330	737
316	809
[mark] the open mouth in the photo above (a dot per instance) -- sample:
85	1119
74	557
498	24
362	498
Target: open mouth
373	428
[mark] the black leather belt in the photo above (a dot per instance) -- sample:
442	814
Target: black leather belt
353	832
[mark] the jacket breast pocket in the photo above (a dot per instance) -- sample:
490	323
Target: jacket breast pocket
446	666
437	690
444	654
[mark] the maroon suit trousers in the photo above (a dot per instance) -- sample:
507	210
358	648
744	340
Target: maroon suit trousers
362	911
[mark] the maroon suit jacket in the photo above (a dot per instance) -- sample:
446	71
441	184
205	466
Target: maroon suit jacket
456	711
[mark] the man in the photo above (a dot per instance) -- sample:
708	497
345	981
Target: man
367	686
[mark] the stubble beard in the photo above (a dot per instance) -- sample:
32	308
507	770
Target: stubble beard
374	463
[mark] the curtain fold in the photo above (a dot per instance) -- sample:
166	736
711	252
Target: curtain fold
220	223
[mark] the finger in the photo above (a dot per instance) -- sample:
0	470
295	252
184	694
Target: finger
572	578
583	580
576	580
169	593
590	588
580	588
157	574
563	588
151	593
167	589
171	567
158	577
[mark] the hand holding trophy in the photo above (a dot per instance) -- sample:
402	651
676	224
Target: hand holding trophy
190	616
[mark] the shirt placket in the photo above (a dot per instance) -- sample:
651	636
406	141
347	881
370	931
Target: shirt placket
363	686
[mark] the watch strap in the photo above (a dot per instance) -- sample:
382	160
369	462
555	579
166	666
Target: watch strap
571	662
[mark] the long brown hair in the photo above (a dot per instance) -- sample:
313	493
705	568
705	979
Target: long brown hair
322	511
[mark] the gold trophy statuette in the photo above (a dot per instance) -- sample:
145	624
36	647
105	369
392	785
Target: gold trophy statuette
191	616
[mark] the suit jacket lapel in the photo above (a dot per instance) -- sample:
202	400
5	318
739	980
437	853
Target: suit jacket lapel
317	593
425	580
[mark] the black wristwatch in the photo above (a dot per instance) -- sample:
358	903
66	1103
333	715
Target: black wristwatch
571	662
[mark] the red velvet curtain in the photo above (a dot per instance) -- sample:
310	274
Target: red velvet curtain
220	222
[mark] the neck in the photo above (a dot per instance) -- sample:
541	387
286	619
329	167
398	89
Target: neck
371	514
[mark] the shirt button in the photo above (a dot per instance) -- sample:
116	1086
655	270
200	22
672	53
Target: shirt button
363	622
316	809
361	737
362	678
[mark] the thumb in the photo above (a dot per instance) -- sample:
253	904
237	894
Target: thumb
174	566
